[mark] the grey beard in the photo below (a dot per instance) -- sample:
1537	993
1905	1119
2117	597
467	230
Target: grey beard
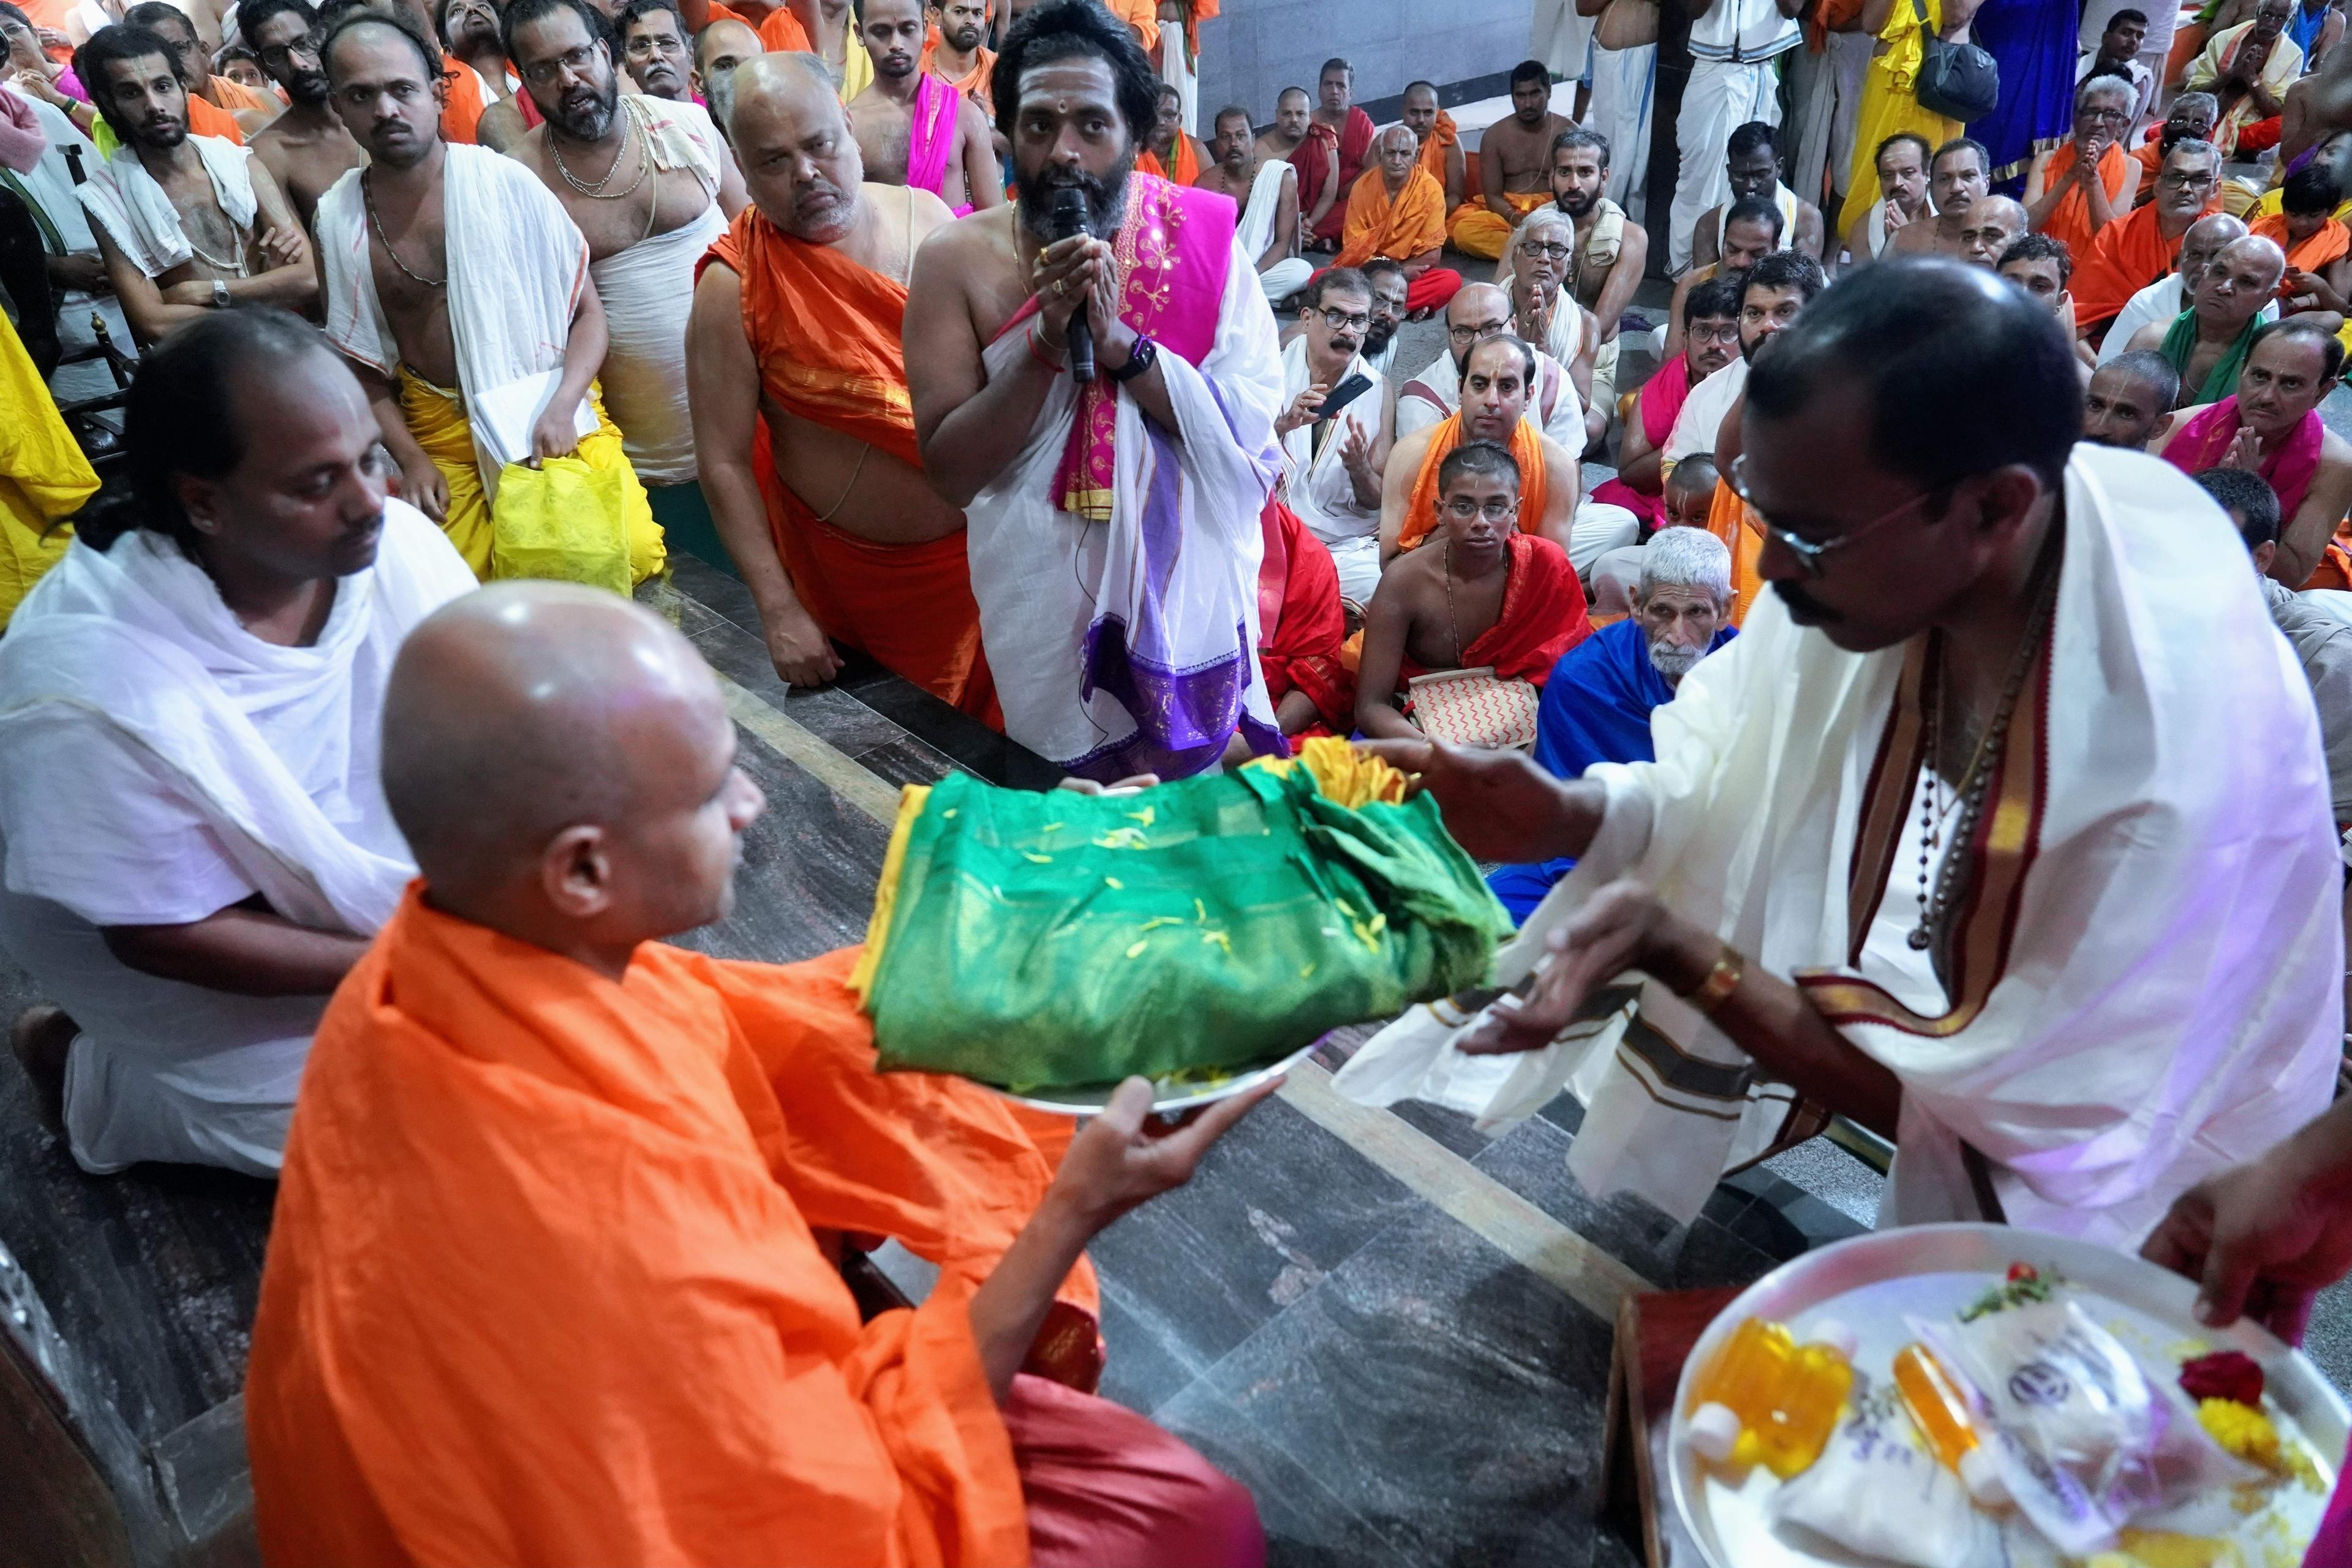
1673	660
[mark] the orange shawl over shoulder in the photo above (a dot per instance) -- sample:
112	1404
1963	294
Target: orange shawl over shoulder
461	111
1526	450
207	119
1735	522
2130	255
1442	138
975	84
1188	162
2329	243
1543	616
548	1278
781	33
825	332
1411	224
2070	220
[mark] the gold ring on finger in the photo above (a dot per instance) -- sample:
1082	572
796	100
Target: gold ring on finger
1060	286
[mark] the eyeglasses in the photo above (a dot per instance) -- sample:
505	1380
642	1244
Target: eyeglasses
1477	333
1495	510
1701	332
573	60
1807	552
644	44
1550	250
1341	321
2184	179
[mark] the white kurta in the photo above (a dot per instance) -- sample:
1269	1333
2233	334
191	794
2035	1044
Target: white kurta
158	764
1174	572
2170	1000
1316	484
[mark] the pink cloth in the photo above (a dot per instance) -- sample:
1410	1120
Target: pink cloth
2205	440
1660	398
931	134
1107	1488
2332	1547
22	141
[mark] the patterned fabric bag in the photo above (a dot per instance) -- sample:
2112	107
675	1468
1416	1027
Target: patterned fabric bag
1474	708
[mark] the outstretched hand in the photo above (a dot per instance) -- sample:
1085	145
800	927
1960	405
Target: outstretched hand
1499	806
1623	926
2264	1239
1125	1157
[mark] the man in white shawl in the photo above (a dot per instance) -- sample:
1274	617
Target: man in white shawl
192	841
681	190
2004	828
458	288
78	277
1115	546
1331	455
185	224
1266	191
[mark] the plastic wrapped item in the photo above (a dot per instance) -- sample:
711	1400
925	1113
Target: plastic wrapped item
1939	1407
1766	1399
1877	1491
2085	1441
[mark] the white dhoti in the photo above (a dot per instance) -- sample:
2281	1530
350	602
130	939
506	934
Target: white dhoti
1598	528
1255	234
1561	39
1721	97
1826	89
1176	69
1284	278
2142	983
648	292
1624	83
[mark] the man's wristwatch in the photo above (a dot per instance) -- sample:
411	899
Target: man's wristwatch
220	295
1139	358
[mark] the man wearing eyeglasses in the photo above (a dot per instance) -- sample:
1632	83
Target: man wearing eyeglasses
1331	460
306	148
655	50
1711	333
2129	256
1497	376
1599	264
1481	312
457	287
651	185
2004	828
2077	189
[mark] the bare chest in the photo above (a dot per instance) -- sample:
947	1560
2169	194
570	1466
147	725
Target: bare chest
884	129
1521	155
1450	614
220	246
634	209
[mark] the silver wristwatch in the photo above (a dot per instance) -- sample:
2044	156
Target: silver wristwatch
220	295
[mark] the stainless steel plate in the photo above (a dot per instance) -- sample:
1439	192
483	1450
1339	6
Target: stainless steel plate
1084	1099
1871	1282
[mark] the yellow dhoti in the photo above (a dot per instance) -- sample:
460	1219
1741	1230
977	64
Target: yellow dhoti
43	474
1474	231
580	518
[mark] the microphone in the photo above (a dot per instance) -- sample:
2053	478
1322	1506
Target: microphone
1069	216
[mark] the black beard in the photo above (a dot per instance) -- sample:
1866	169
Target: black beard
1579	207
1376	339
1106	201
588	125
309	88
966	43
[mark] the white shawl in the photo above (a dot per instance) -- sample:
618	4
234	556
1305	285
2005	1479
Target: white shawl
123	199
2171	1000
1264	206
1436	391
1316	484
517	267
1700	420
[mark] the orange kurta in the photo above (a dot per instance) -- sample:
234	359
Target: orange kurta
1410	224
1526	450
2070	220
546	1281
825	332
2328	243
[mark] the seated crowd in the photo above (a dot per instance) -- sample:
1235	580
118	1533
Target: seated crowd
982	364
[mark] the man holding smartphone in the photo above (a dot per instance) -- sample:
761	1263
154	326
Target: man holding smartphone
1334	429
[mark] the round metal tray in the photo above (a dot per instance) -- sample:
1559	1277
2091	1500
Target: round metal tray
1084	1099
1870	1283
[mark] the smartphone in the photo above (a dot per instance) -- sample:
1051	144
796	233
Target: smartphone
1339	396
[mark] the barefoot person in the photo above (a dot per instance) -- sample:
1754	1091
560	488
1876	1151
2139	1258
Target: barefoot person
1331	459
185	223
1293	127
1514	165
306	148
204	672
2135	253
1625	80
834	528
459	289
1082	497
2068	990
2075	190
913	128
520	1034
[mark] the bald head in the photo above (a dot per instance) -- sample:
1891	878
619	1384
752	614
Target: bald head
2238	282
562	764
1991	223
793	144
2206	236
1476	312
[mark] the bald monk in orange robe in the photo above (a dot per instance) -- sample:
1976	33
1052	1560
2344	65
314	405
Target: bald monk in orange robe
1395	209
796	320
553	1273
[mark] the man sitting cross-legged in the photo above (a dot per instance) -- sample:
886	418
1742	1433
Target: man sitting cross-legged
2208	342
1596	706
1334	126
2129	400
1496	373
913	129
1514	165
1331	460
522	1096
668	189
459	288
1440	142
1598	265
1484	593
1266	191
1710	325
1398	211
796	327
1752	168
1288	139
195	843
2271	427
1302	622
2079	188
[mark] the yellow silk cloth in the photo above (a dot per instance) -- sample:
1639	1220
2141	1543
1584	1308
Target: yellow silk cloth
580	518
1477	232
43	474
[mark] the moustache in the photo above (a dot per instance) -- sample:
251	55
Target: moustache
1803	608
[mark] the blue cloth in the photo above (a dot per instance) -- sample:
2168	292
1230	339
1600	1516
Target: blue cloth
1596	709
2303	26
2033	41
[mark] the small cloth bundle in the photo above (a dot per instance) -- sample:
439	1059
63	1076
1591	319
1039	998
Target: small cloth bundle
1061	940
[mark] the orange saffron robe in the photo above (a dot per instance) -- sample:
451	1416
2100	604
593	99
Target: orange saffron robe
1526	450
1188	162
781	33
546	1281
825	332
1735	522
977	84
2129	254
1436	147
1402	226
2070	220
461	111
2326	245
207	119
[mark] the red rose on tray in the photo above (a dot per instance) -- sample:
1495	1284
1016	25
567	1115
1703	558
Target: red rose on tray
2225	1375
